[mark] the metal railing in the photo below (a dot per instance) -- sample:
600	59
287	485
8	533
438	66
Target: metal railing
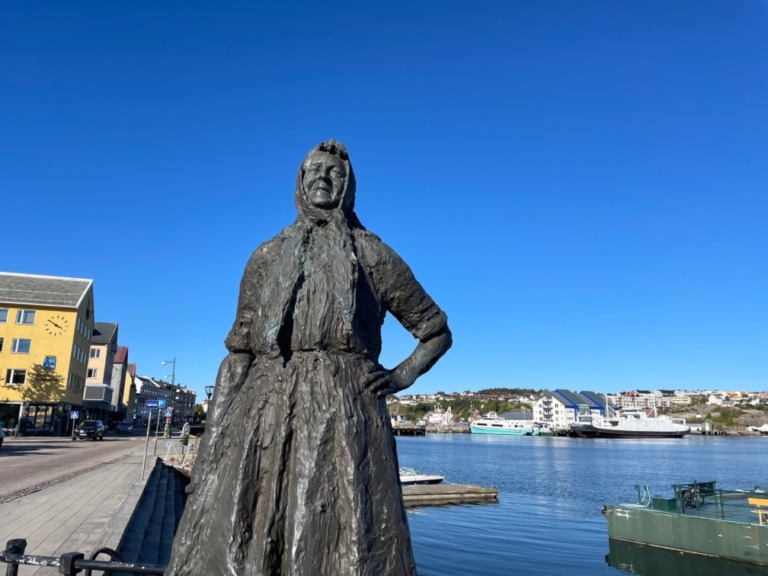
72	563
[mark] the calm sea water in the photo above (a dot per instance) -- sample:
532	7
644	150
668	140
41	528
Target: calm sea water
551	490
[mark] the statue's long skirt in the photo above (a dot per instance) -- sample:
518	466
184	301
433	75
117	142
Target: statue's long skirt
299	477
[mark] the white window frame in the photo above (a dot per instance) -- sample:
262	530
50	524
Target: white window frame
95	352
25	316
15	345
11	373
93	373
3	315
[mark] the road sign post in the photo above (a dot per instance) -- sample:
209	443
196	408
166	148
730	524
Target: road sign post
146	446
73	416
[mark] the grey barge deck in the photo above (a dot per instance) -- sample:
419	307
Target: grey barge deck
698	519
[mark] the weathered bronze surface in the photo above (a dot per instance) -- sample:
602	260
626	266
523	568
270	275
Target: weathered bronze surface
297	472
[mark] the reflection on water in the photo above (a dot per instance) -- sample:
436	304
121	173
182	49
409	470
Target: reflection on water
650	561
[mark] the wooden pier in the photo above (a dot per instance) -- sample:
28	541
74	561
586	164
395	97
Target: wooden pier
409	430
446	493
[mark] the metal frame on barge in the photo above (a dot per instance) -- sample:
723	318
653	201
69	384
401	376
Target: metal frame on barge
699	519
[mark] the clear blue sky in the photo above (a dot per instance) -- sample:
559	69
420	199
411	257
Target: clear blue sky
582	186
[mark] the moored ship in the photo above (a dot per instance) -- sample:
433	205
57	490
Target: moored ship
632	424
509	427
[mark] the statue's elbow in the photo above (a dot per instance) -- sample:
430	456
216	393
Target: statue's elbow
447	338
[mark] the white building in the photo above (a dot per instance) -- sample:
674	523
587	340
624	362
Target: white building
439	417
559	409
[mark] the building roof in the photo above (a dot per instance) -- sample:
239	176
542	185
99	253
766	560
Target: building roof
569	399
595	400
103	333
574	400
122	355
34	290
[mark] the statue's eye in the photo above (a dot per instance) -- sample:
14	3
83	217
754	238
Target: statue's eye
338	173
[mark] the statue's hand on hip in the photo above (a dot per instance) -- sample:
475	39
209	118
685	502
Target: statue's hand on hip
383	381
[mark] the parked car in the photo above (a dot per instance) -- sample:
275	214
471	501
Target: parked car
124	428
93	429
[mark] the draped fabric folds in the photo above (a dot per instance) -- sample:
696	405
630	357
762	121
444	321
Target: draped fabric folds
297	472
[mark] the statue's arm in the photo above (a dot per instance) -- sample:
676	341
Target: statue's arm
407	301
238	339
234	368
424	356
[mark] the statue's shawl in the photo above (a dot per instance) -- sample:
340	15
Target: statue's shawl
355	276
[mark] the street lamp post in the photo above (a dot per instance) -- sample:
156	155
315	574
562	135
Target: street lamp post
173	373
209	393
178	412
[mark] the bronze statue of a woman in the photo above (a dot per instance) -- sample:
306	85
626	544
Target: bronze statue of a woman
297	473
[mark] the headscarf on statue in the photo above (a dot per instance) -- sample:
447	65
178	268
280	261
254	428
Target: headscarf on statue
317	271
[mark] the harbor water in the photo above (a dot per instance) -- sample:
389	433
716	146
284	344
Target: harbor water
551	491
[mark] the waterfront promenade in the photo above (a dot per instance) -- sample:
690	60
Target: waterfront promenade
81	514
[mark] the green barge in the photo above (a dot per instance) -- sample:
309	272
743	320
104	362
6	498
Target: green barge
699	519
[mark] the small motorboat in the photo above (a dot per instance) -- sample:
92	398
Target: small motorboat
409	476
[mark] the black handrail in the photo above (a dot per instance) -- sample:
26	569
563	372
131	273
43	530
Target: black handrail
72	563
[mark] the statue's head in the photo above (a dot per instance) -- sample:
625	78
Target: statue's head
326	182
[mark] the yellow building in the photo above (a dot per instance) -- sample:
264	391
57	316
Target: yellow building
46	324
129	391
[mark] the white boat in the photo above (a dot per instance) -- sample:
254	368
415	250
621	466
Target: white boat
762	430
409	476
630	424
508	427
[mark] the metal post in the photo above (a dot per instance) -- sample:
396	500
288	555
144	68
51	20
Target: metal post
14	547
146	446
68	563
173	373
157	431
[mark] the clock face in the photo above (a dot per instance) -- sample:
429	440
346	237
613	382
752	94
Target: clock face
56	325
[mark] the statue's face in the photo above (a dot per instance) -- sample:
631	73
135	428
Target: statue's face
324	179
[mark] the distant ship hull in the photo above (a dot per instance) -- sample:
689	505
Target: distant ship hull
590	431
630	424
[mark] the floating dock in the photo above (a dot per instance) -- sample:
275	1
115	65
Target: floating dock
405	430
446	493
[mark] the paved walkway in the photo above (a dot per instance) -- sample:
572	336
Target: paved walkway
81	514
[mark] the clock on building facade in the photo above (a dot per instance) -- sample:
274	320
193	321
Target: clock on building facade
56	325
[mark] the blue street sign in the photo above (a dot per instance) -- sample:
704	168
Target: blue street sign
161	403
168	412
152	404
74	415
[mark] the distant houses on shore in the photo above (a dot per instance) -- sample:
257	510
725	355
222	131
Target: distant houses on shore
559	408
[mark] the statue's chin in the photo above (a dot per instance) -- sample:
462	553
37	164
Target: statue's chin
323	202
